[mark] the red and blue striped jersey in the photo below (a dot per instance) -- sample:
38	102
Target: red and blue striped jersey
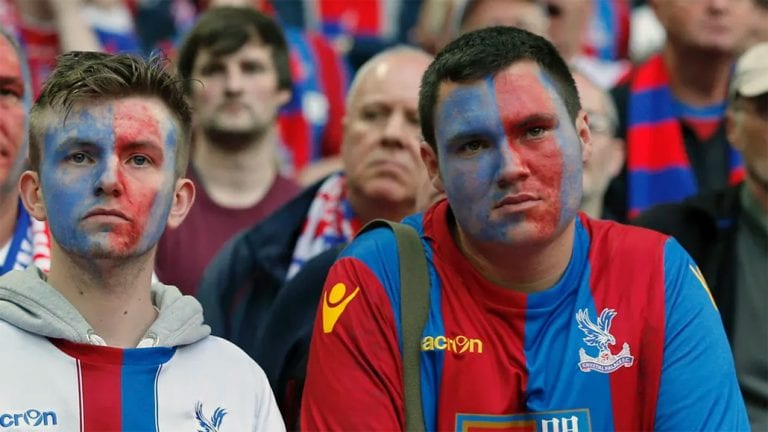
628	339
57	385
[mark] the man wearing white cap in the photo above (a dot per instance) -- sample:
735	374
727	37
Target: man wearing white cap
727	233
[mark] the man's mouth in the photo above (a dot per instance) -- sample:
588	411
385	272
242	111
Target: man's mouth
106	214
518	198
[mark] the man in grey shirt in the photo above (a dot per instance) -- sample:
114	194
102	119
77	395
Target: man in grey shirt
727	233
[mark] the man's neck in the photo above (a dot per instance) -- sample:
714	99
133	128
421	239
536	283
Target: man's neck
698	78
524	269
113	297
8	202
593	206
237	178
367	209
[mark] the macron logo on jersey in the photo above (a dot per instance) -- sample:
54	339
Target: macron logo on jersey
334	303
31	417
457	345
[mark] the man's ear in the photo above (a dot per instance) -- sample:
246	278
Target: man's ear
429	157
618	157
284	96
585	136
183	198
32	195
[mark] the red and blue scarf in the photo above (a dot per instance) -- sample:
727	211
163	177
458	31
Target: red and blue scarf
330	222
30	244
657	164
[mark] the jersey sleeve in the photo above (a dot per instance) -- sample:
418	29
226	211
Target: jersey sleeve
354	378
698	389
268	416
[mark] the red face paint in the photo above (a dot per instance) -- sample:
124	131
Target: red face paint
530	118
138	146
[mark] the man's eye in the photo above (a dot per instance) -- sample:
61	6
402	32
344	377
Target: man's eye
536	132
10	93
140	160
212	69
253	67
413	120
471	147
371	114
79	158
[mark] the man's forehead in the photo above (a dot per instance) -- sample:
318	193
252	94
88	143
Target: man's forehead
254	46
108	111
396	77
10	66
521	73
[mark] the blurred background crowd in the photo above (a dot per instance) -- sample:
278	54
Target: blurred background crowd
654	77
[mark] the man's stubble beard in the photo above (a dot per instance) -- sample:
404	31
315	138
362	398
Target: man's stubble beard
236	139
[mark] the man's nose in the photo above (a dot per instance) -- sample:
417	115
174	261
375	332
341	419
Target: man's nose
513	167
234	81
395	130
108	181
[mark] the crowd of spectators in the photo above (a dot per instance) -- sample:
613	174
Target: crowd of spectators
283	136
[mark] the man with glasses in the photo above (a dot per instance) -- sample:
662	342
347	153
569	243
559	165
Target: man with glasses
607	149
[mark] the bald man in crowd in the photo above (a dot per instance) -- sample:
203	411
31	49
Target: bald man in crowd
608	155
383	177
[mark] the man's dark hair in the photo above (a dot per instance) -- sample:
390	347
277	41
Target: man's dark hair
224	30
83	77
485	52
759	103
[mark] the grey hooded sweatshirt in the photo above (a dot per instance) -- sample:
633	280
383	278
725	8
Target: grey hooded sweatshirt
58	375
29	303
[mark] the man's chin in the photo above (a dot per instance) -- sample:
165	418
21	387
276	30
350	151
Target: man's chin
388	190
233	138
102	250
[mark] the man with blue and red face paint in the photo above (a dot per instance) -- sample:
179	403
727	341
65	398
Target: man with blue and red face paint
24	241
540	318
101	347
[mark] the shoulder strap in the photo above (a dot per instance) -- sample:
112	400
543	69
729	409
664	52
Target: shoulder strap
414	308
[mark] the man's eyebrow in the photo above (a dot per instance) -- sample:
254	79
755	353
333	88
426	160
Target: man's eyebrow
534	120
76	141
141	144
11	80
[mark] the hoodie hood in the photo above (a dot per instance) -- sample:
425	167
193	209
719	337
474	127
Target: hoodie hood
28	302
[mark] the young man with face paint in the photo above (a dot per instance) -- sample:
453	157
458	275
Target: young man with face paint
101	347
539	319
24	240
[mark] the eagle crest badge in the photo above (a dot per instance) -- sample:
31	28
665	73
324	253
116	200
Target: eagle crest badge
598	335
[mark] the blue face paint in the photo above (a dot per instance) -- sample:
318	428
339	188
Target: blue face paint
107	176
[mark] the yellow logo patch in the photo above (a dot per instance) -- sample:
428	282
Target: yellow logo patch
334	302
